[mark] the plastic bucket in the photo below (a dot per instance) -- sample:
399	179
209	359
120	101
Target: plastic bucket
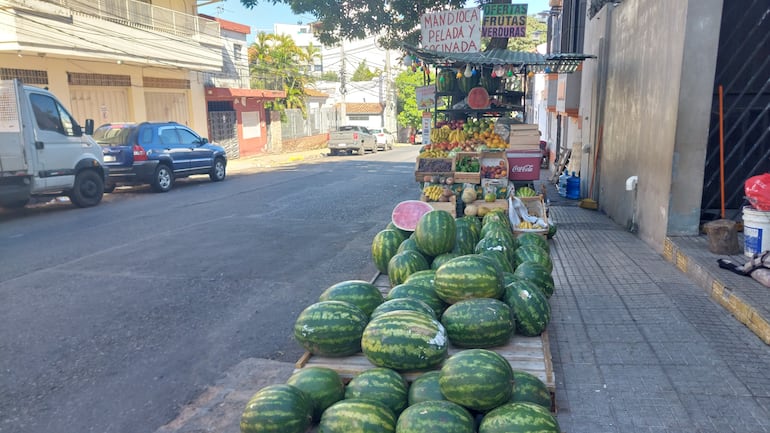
756	231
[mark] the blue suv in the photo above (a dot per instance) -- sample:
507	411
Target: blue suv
157	153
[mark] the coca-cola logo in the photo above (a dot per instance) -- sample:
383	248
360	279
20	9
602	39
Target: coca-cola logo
526	168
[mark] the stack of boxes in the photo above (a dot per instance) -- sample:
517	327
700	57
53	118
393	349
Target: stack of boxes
524	153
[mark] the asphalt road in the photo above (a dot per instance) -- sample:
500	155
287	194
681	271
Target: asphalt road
113	318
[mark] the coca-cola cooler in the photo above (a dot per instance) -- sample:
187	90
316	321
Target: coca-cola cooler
523	164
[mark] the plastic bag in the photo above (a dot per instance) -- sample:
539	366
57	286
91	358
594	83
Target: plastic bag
757	189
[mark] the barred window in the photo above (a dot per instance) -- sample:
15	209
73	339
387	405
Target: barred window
166	83
79	79
27	76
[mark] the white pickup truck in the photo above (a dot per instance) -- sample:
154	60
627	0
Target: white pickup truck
44	151
351	138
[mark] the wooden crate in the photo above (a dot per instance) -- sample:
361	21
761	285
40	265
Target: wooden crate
495	159
449	206
434	165
466	177
535	207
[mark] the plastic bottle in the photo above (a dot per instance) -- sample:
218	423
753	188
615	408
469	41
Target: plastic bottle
573	187
563	184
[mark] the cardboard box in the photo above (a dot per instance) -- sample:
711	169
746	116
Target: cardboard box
493	159
524	164
524	139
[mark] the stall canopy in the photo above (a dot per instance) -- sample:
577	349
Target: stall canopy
560	63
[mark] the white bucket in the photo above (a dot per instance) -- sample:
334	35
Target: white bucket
756	231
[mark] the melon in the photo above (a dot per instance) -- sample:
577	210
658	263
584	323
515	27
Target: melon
407	214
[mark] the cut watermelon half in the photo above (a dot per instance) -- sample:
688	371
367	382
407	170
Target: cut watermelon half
406	214
478	98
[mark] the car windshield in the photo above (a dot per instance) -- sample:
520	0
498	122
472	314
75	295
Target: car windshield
375	131
110	135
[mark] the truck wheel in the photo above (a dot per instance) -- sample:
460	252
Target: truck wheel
218	170
374	148
163	179
87	190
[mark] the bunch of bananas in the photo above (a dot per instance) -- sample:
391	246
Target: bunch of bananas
433	192
440	135
434	153
529	225
457	136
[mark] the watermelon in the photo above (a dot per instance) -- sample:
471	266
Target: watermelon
362	294
331	328
496	215
525	191
465	240
404	233
538	274
380	384
508	278
421	292
475	224
495	225
425	388
477	98
407	244
530	307
435	416
357	416
478	323
519	417
470	276
404	264
407	214
396	304
532	253
503	265
435	233
384	246
422	278
404	340
492	243
277	408
478	379
529	238
528	388
551	230
323	385
441	259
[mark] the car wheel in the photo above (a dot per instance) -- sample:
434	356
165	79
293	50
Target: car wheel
333	152
374	149
163	179
218	171
87	190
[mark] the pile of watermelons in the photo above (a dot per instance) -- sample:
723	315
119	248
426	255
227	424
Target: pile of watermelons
467	281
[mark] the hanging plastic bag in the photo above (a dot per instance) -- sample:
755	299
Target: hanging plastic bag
757	189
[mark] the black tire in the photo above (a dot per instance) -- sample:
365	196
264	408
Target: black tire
333	152
218	170
88	189
163	180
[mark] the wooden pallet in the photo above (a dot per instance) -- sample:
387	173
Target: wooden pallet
530	354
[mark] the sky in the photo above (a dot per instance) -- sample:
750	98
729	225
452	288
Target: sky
262	17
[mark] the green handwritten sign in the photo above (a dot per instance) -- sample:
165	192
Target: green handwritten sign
504	21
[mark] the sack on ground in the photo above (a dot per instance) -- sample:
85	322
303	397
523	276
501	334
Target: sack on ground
758	267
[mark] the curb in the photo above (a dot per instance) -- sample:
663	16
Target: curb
718	290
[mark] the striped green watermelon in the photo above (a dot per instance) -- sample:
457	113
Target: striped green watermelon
435	233
408	244
498	215
538	274
404	264
478	379
405	340
442	258
277	409
435	416
357	416
404	233
424	293
465	240
502	235
396	304
384	246
500	260
495	225
532	253
470	276
425	388
530	307
492	243
528	388
508	278
323	385
551	230
422	278
380	384
475	224
362	294
330	328
478	323
529	238
519	417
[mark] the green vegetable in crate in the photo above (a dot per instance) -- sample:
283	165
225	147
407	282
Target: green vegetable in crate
468	164
330	328
528	388
469	276
397	304
478	379
404	264
384	246
323	385
530	307
435	233
277	409
404	340
519	417
362	294
425	388
435	416
478	323
525	191
380	384
357	416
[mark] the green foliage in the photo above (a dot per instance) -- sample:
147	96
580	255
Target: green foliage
330	76
537	32
406	103
363	73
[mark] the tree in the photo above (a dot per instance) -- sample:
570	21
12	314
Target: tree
276	59
330	76
406	99
363	73
537	33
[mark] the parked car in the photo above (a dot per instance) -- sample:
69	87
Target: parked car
351	138
418	137
157	153
385	138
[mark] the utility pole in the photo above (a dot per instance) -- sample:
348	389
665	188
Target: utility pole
387	109
343	81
